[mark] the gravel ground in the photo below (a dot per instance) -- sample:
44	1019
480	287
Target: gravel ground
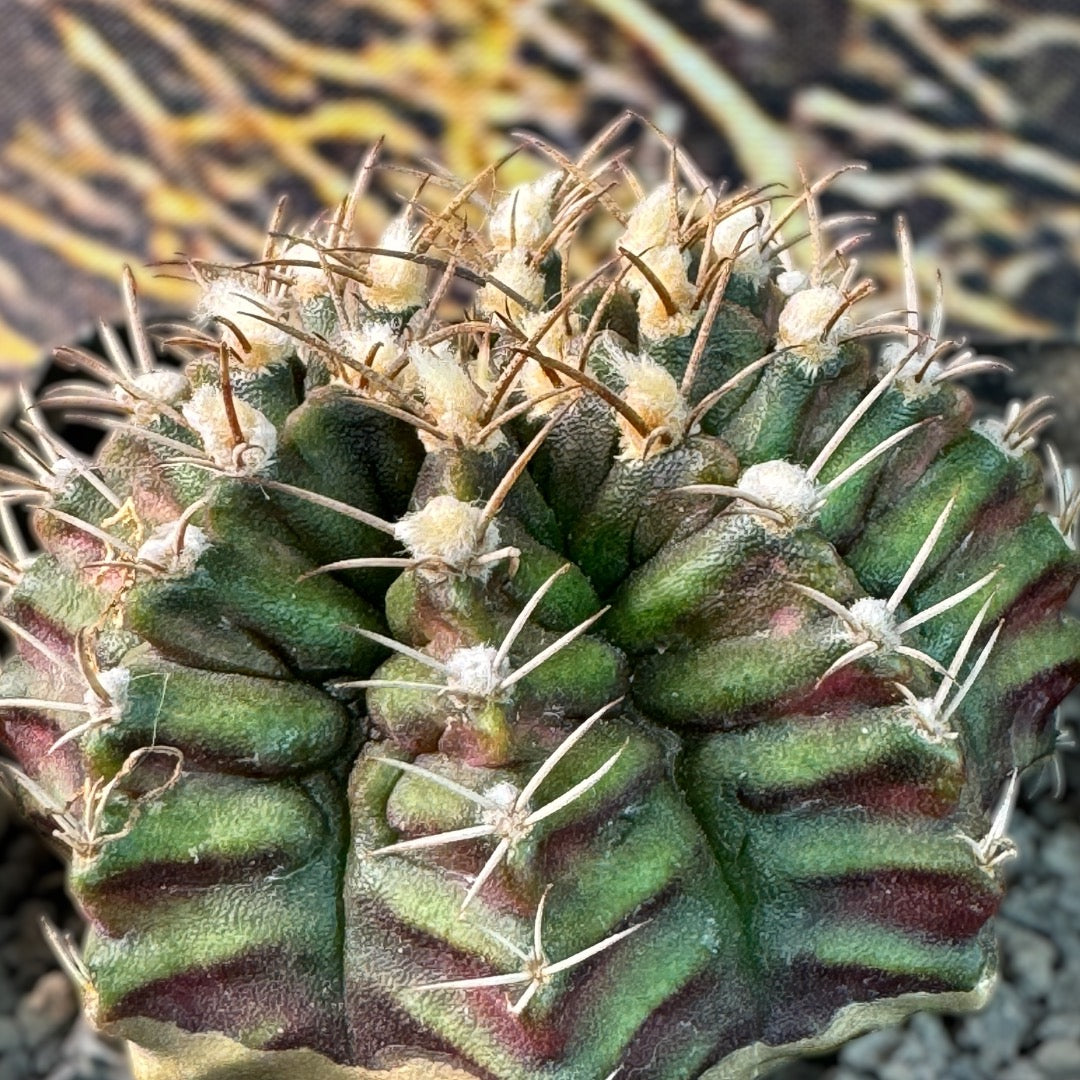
1029	1031
40	1035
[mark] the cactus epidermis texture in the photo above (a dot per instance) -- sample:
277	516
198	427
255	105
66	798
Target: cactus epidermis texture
531	667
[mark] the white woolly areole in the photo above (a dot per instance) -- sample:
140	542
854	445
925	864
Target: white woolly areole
790	282
523	218
168	387
650	224
157	388
533	381
927	719
784	487
309	282
892	354
451	397
801	326
447	529
380	339
472	670
205	412
504	794
516	271
397	283
115	682
994	431
668	263
557	342
876	621
654	395
228	298
160	548
60	472
738	236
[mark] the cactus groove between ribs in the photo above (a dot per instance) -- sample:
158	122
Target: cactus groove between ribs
539	672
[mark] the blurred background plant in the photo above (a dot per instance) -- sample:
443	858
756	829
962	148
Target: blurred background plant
134	131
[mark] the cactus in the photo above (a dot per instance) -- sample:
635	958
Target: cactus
474	664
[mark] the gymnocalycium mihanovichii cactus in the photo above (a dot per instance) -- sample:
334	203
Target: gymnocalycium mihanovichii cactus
481	659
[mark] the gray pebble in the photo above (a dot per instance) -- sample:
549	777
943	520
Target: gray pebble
996	1034
1070	899
1028	958
869	1052
1061	850
1034	903
47	1056
1059	1058
10	1035
1027	834
1065	992
929	1029
15	1066
961	1068
47	1009
1051	812
1059	1026
843	1073
924	1051
88	1055
1021	1070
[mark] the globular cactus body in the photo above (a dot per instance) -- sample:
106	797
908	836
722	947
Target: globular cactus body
628	677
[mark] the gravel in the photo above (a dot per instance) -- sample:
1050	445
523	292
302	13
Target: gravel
41	1035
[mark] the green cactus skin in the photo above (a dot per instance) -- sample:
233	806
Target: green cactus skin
626	677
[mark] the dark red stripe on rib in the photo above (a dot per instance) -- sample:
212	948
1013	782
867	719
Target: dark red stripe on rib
936	905
242	994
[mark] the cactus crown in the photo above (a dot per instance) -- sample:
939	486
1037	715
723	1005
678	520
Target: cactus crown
549	665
